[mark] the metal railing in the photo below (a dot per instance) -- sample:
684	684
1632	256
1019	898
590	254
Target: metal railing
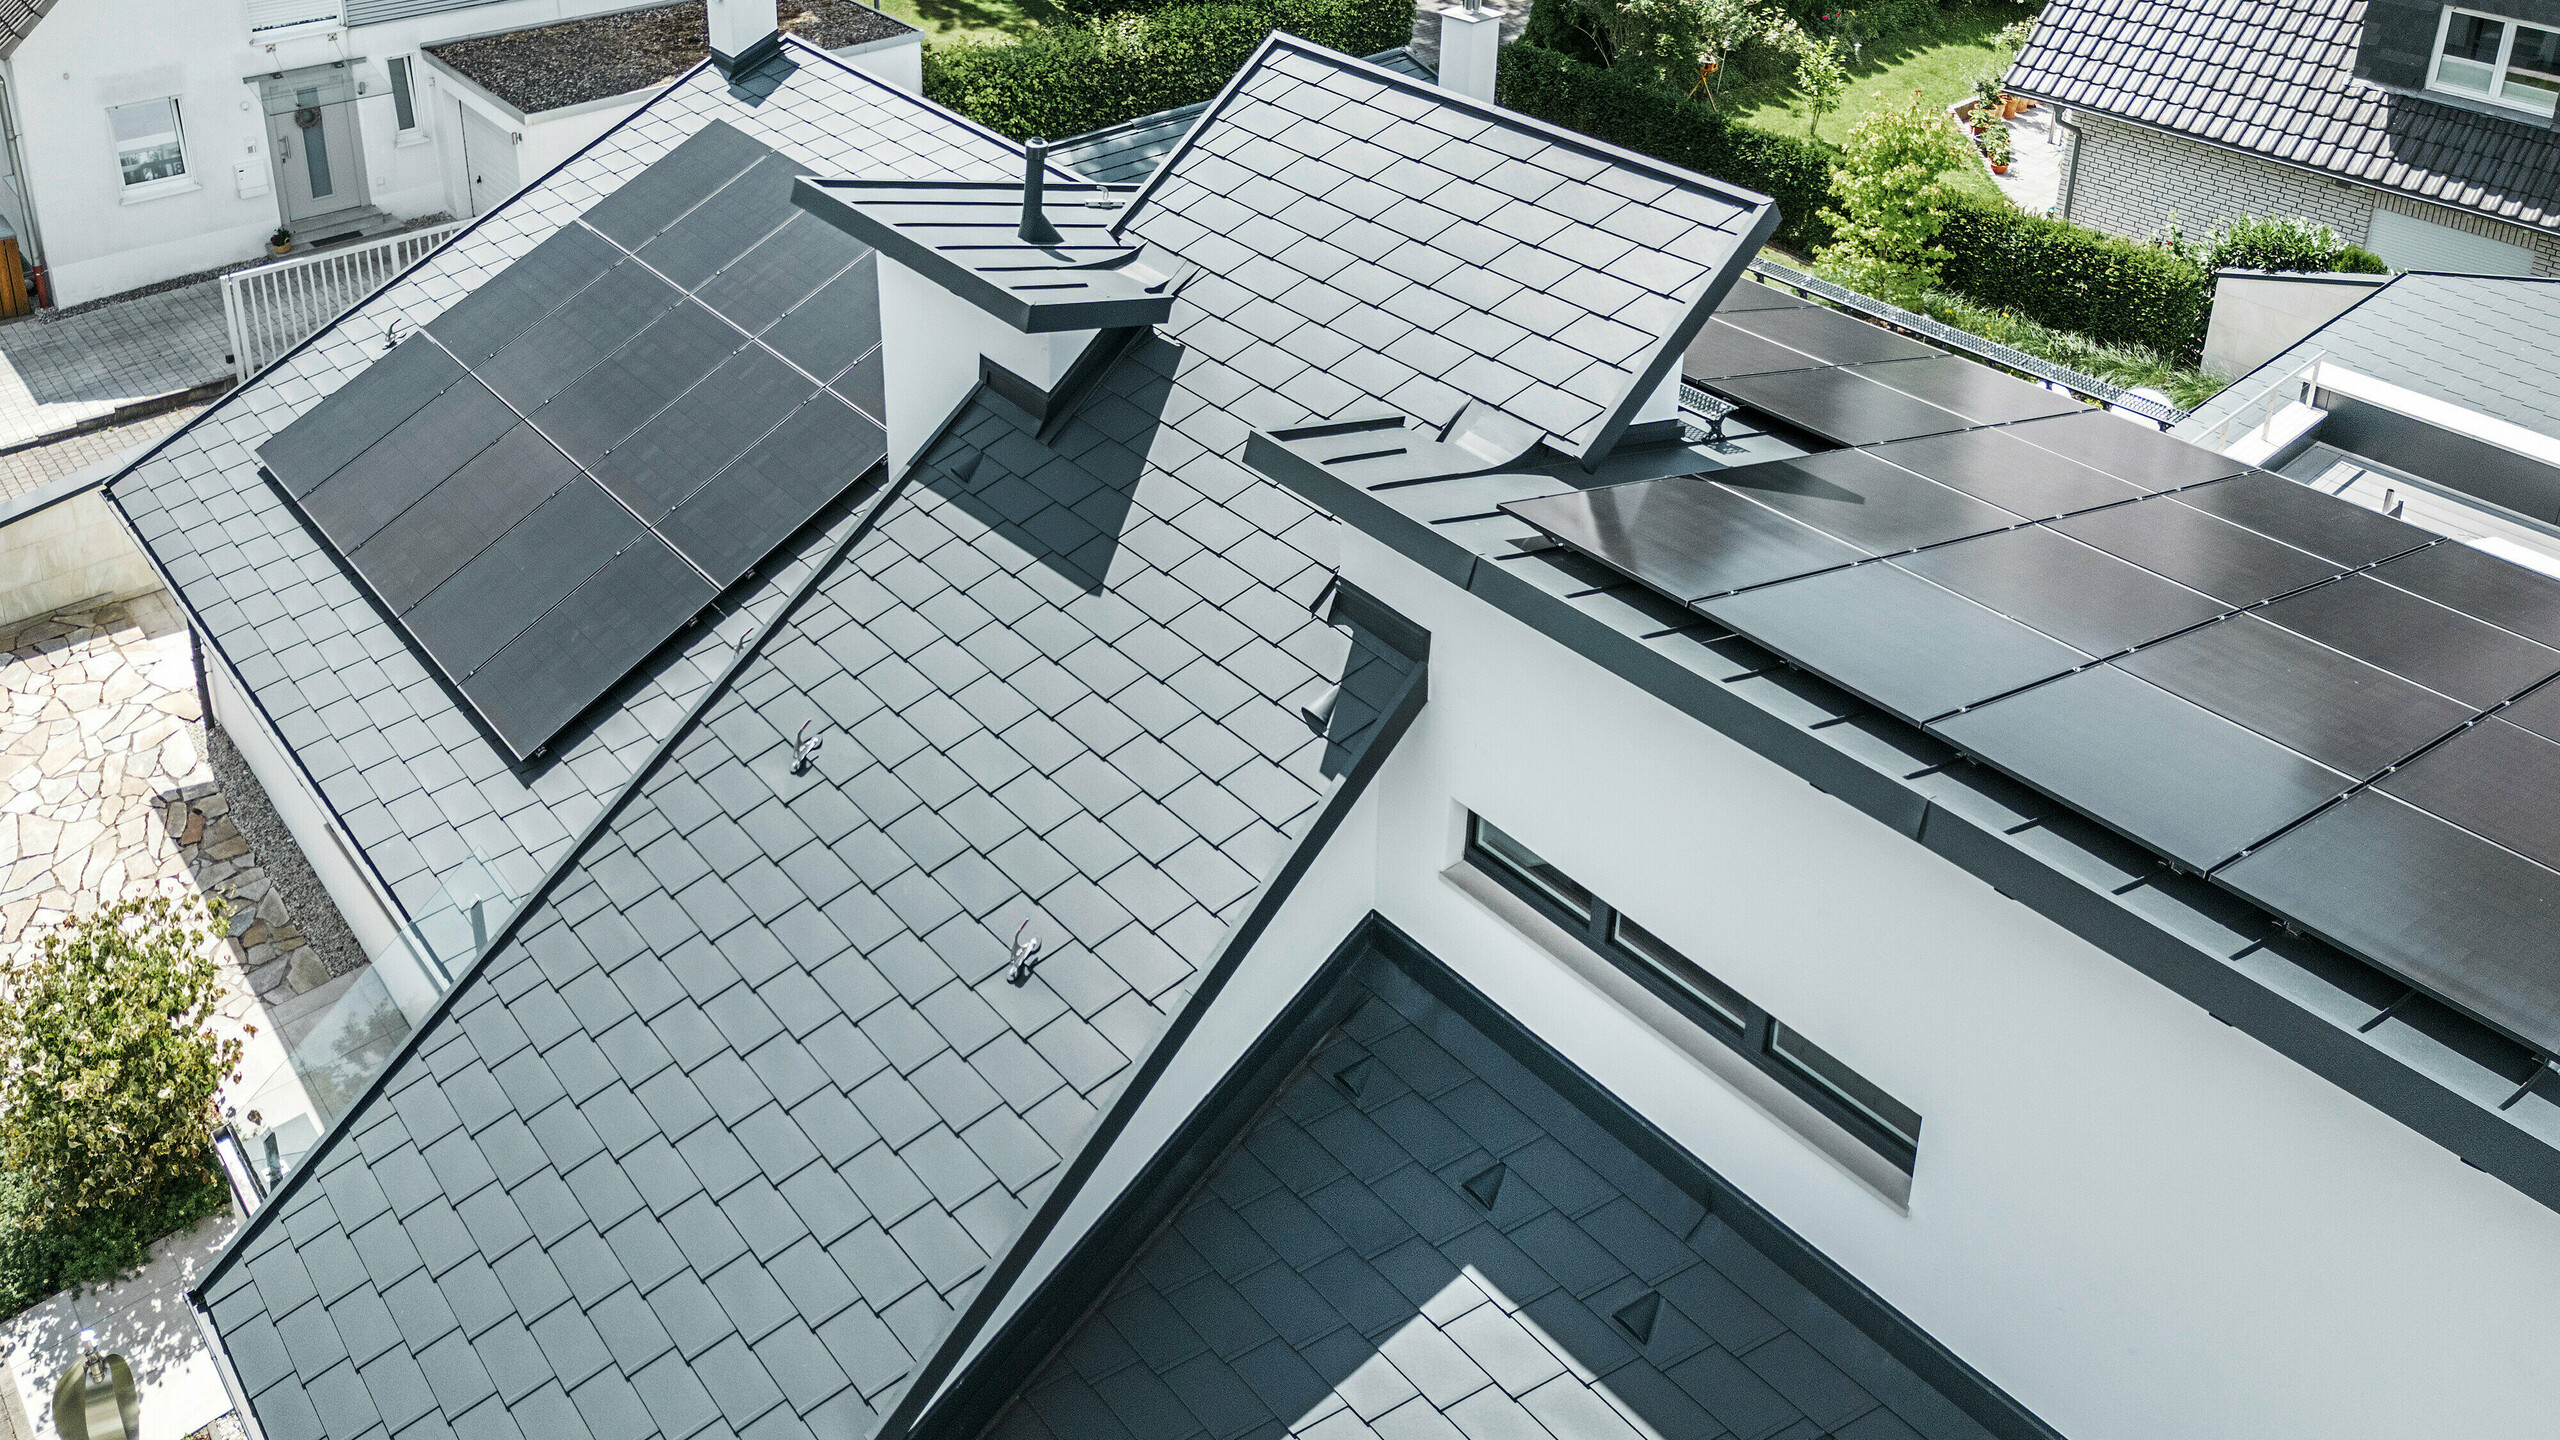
2272	400
2113	396
272	308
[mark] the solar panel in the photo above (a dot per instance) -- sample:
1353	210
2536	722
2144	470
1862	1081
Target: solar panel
494	480
1971	389
376	402
2332	707
2538	712
2306	519
2425	899
2083	597
2470	660
865	384
2233	565
1996	466
1828	335
1894	639
1860	499
1747	295
1683	536
2129	450
2494	780
2476	583
1839	405
2166	773
1721	351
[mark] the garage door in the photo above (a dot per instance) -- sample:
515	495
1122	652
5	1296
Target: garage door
2407	243
489	155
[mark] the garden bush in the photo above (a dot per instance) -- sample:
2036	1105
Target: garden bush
2281	243
2069	277
1564	91
108	1069
1062	80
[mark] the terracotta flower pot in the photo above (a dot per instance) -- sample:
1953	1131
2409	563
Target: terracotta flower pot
1999	168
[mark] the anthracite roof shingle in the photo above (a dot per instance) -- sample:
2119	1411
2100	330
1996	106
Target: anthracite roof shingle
2276	78
1421	1235
1129	152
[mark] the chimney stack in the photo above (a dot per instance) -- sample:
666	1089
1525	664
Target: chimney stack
1470	47
1036	229
744	33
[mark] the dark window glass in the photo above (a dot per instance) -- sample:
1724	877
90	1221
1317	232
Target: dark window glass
1707	990
2470	52
1525	863
2533	69
1846	1085
400	100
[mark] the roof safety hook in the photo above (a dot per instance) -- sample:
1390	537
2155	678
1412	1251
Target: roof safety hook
391	334
1026	955
808	752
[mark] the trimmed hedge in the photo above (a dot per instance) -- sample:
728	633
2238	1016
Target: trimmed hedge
1564	91
36	1263
2070	277
1062	80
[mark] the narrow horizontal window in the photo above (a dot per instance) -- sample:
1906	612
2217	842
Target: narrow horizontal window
1527	865
1847	1086
1718	998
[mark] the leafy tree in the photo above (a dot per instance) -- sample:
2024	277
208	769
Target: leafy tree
2284	243
1822	75
1893	201
109	1062
1666	42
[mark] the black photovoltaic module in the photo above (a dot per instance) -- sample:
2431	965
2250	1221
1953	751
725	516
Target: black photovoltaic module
565	467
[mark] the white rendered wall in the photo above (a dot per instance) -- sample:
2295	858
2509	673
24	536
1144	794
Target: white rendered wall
73	550
367	914
931	343
2139	1221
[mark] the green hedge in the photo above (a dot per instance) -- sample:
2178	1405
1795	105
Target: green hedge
2070	277
1063	80
1564	91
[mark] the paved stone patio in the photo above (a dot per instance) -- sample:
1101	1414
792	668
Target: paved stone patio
59	372
41	465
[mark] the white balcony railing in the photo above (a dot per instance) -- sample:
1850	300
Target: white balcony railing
272	308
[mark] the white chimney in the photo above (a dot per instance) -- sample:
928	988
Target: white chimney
743	33
1470	48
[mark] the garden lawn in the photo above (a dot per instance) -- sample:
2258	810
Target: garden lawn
945	21
1941	66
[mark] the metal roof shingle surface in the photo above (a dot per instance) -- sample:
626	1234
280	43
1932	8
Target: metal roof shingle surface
1365	238
1422	1236
1130	151
2276	78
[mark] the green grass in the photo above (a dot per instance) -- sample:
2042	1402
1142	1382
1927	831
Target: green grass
1941	66
2126	365
946	21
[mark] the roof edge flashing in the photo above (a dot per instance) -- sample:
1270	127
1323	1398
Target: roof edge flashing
965	237
1384	449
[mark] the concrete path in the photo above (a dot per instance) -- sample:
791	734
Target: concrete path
144	1319
2034	181
57	372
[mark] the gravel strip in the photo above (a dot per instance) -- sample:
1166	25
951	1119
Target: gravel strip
580	60
280	855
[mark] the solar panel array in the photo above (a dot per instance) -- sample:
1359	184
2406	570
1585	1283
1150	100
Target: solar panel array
569	464
2338	716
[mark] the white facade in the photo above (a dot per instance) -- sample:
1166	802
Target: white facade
2139	1221
98	235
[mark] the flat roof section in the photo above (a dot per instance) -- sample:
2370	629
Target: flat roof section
550	67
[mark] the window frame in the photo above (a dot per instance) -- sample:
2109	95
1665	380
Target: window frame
1749	1031
2499	68
184	179
403	70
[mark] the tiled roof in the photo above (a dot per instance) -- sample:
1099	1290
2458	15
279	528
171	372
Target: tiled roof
418	786
1130	151
1364	236
2275	78
1422	1236
2482	342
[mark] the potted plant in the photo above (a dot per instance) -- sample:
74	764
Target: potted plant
1995	148
280	242
1986	103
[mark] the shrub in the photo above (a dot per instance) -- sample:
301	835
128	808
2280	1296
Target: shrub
1063	80
2126	365
109	1062
38	1260
2283	243
1893	202
2069	277
1564	91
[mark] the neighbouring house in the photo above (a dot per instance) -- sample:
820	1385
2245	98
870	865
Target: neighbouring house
136	147
2420	131
1353	792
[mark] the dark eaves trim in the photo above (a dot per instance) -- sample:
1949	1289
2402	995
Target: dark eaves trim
2062	868
928	1382
2325	172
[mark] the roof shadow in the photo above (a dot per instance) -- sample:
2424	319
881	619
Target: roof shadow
1418	1219
1064	502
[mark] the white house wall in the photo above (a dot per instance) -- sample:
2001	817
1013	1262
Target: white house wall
2139	1221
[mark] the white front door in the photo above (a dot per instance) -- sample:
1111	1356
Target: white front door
488	160
319	157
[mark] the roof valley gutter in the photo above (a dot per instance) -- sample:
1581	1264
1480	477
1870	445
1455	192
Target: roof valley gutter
867	515
927	1384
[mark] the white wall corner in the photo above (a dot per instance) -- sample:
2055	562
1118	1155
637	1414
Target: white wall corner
931	344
